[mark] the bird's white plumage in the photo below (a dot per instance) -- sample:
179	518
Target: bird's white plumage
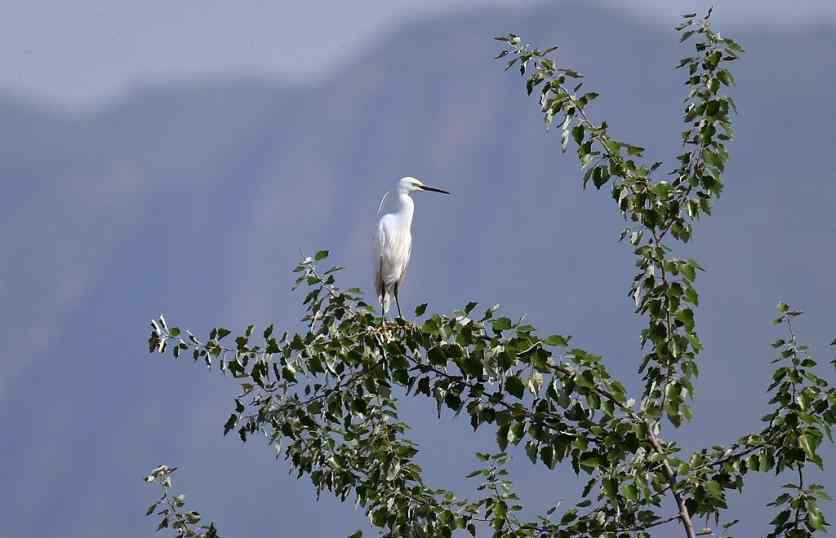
394	241
394	238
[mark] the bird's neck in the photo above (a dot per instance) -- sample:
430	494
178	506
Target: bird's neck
406	207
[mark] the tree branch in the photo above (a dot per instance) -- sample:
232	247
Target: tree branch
683	516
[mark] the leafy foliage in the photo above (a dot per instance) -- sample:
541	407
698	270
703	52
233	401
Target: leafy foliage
326	398
663	288
171	512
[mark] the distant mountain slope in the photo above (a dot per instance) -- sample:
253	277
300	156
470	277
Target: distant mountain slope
196	199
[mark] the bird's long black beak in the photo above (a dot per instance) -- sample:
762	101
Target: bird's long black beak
433	189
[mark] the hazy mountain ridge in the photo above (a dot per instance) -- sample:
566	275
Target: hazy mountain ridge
196	200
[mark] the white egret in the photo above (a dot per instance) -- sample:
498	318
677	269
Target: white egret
394	239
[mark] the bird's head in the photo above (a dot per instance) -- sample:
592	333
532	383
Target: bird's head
407	185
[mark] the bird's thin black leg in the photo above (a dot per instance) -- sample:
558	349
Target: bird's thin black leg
398	302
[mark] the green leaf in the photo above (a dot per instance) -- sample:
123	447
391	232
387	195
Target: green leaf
807	444
815	519
230	423
591	461
531	451
378	517
732	44
781	518
585	379
618	392
610	488
630	491
689	271
420	309
516	432
501	324
635	151
557	340
714	489
502	436
578	133
514	386
321	255
686	316
547	455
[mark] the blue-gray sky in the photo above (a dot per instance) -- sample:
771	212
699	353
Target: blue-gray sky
80	52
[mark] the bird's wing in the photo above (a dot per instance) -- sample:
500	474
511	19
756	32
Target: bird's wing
408	249
394	246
